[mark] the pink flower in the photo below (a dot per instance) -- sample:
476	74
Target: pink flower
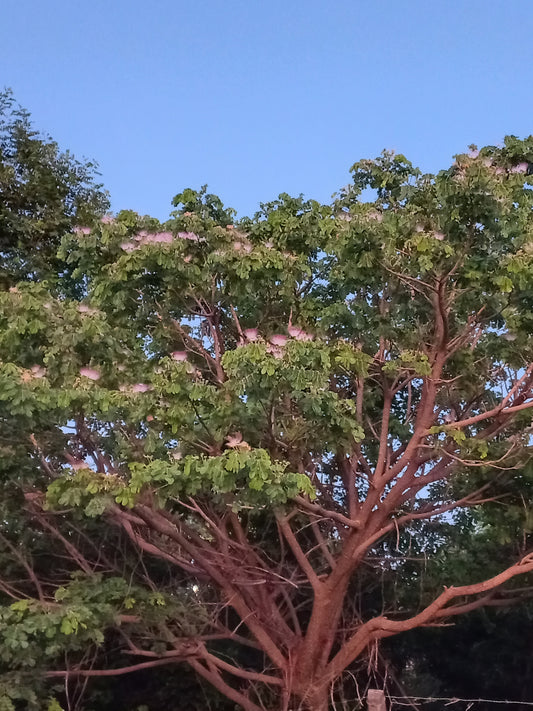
234	440
278	340
269	244
419	228
90	373
84	309
179	356
78	464
38	371
187	259
149	418
237	246
247	248
140	388
189	235
473	154
107	219
439	236
128	246
82	230
487	162
299	334
520	168
159	237
251	334
377	216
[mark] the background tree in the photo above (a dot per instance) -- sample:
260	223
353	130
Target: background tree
43	193
235	433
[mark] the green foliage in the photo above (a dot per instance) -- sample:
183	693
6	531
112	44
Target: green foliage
204	204
44	194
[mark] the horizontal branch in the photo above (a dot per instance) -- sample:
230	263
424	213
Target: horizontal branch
109	672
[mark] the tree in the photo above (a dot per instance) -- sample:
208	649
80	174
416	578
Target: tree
222	447
43	193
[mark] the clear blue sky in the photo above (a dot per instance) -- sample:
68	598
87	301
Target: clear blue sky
256	98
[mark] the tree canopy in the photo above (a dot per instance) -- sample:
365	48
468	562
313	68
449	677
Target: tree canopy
44	193
219	438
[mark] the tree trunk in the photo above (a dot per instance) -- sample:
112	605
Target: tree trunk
313	699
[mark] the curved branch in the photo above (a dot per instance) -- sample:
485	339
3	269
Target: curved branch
109	672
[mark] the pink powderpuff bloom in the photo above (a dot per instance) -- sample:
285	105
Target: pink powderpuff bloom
38	371
237	246
473	154
78	464
179	356
251	334
189	235
187	259
439	236
234	440
247	248
84	309
128	246
107	219
520	168
82	230
165	237
159	237
269	244
278	339
90	373
140	388
299	334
